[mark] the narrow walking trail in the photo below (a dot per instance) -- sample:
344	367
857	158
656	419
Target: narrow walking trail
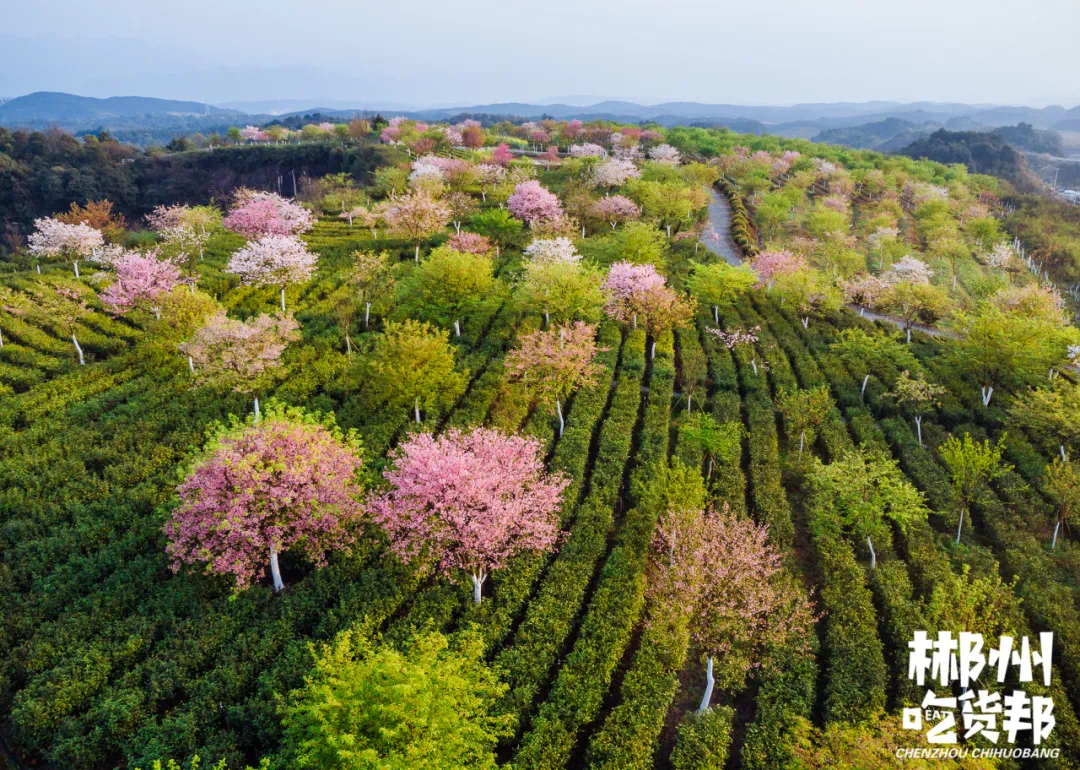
720	223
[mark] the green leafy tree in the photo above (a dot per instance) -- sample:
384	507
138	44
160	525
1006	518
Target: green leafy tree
447	286
412	364
562	291
498	225
861	490
719	284
390	180
810	292
1006	349
972	465
669	205
1063	482
915	303
804	411
636	242
1050	416
368	283
718	441
377	708
864	353
918	395
823	222
771	212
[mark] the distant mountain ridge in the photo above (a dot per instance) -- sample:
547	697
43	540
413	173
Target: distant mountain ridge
56	106
875	124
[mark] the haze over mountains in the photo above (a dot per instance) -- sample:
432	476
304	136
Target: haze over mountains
77	113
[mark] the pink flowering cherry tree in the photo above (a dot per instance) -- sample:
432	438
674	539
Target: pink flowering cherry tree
740	339
258	214
732	580
634	290
53	238
416	216
770	265
626	286
502	156
260	488
533	203
615	172
470	243
469	501
273	260
141	280
553	364
615	209
241	355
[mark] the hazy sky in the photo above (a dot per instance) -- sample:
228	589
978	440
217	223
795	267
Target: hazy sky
473	51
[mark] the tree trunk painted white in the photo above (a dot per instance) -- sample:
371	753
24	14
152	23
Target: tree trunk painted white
496	251
477	585
806	322
191	364
1053	543
960	526
716	314
909	335
192	287
258	414
283	300
862	393
652	353
583	231
547	319
1064	459
157	313
416	256
275	570
457	328
76	263
635	320
457	226
753	363
689	400
668	231
987	393
862	312
416	411
873	556
38	269
483	195
367	314
348	345
918	427
709	682
78	349
613	224
558	411
802	440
